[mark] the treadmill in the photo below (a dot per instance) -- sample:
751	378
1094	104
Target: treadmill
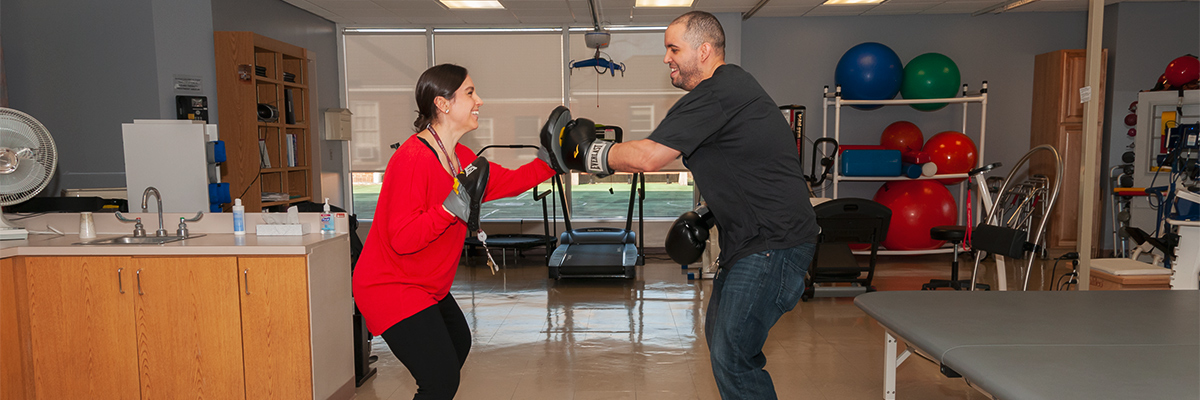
600	252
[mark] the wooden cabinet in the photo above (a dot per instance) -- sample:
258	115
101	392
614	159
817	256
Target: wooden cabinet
275	327
1058	121
81	327
254	71
155	328
16	362
189	339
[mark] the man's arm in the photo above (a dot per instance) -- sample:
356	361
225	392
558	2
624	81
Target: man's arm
640	156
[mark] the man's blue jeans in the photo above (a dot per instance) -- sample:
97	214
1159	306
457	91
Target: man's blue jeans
748	298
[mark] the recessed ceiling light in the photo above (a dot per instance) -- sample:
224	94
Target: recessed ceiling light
850	2
474	4
662	3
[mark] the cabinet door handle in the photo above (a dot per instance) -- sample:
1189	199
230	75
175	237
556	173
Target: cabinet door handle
120	285
139	280
246	275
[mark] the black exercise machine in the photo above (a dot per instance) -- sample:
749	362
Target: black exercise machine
845	221
600	252
518	242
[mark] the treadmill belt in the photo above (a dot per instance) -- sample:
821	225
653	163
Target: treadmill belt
580	255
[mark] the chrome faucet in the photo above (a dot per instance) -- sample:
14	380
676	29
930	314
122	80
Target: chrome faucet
157	196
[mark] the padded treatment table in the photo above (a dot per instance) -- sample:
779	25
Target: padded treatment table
1049	345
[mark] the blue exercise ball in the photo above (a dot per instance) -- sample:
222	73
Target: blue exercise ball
869	71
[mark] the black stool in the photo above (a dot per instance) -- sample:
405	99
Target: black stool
955	235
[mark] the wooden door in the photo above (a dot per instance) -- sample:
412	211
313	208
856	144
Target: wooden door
275	327
188	328
81	324
1063	230
16	362
1064	219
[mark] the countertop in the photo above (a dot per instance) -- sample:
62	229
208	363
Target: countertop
217	240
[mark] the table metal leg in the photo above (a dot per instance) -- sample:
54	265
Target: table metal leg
891	361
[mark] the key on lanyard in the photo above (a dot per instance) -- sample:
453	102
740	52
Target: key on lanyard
490	261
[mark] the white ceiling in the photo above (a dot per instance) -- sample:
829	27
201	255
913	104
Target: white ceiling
554	13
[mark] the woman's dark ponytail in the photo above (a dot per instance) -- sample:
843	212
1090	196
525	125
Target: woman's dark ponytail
441	80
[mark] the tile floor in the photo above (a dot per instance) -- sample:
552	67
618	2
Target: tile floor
643	339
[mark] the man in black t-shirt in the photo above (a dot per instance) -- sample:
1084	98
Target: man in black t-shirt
743	156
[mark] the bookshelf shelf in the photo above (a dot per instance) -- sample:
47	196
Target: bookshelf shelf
252	70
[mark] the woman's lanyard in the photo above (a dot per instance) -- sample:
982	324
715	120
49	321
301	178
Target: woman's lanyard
482	236
449	163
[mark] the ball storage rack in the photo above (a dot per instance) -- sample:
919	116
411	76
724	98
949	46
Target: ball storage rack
834	101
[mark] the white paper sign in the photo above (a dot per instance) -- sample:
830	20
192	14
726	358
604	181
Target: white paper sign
1085	94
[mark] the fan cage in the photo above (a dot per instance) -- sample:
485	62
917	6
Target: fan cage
20	129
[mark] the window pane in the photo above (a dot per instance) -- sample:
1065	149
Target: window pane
635	101
519	79
380	74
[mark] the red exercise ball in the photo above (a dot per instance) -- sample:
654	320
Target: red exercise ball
916	207
953	153
1183	70
902	135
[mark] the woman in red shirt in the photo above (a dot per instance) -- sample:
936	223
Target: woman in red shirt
402	279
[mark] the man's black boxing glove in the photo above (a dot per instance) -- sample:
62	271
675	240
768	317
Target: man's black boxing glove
689	235
582	151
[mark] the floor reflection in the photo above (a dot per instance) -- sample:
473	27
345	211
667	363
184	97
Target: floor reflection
643	339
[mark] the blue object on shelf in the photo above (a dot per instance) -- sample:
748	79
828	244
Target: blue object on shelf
218	193
912	170
216	151
871	163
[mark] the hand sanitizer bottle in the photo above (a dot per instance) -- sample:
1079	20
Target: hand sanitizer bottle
326	218
239	217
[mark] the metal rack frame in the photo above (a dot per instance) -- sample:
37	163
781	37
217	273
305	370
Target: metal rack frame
836	101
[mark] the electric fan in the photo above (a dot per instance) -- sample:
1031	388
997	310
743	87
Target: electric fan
27	161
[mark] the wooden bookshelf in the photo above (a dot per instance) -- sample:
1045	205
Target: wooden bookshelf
240	90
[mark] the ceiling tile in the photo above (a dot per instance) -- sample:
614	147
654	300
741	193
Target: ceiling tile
413	5
347	4
576	13
534	5
434	13
899	9
546	21
710	4
543	13
355	14
433	20
376	21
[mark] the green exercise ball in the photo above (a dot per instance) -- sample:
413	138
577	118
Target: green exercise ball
930	76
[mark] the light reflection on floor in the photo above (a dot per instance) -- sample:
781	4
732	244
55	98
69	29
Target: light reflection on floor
643	339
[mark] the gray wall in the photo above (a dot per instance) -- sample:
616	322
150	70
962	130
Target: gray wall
732	24
1141	38
281	21
795	57
82	68
183	45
